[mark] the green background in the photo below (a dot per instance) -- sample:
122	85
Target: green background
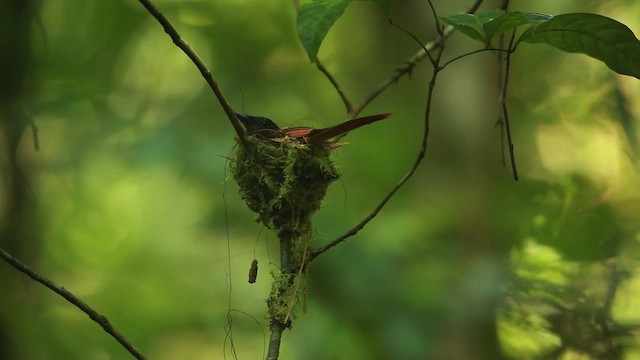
130	206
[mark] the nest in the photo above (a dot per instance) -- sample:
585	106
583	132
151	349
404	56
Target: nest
283	182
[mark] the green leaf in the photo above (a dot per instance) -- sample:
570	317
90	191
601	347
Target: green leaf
316	18
512	20
594	35
314	21
485	25
472	24
536	19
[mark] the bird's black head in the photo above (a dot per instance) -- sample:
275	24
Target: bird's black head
257	124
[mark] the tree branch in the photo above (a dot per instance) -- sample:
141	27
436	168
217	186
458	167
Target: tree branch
275	339
408	66
334	82
407	176
100	319
424	52
505	113
329	76
206	74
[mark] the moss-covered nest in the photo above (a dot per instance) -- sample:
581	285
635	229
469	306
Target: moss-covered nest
283	182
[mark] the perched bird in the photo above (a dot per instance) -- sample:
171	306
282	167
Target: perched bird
265	128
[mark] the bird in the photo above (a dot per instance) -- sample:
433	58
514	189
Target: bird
265	128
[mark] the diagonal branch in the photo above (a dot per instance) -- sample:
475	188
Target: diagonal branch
328	75
405	178
402	70
334	82
407	67
206	73
67	295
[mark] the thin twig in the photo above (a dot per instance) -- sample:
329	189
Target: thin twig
449	62
206	73
334	82
505	113
426	50
500	79
406	177
411	35
436	19
260	325
100	319
34	134
407	67
229	327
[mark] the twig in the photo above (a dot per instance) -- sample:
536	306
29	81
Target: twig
206	74
406	177
329	76
425	51
100	319
334	82
34	134
505	113
408	66
436	20
500	80
229	327
411	35
450	61
264	335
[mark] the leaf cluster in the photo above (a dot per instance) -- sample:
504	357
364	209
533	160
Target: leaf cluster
594	35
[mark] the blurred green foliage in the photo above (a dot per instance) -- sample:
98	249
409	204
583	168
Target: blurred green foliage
131	207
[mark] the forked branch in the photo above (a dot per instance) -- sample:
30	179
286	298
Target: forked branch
407	67
421	154
425	52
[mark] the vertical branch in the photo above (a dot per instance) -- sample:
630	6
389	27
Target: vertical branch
334	82
505	113
500	80
274	341
277	298
500	122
